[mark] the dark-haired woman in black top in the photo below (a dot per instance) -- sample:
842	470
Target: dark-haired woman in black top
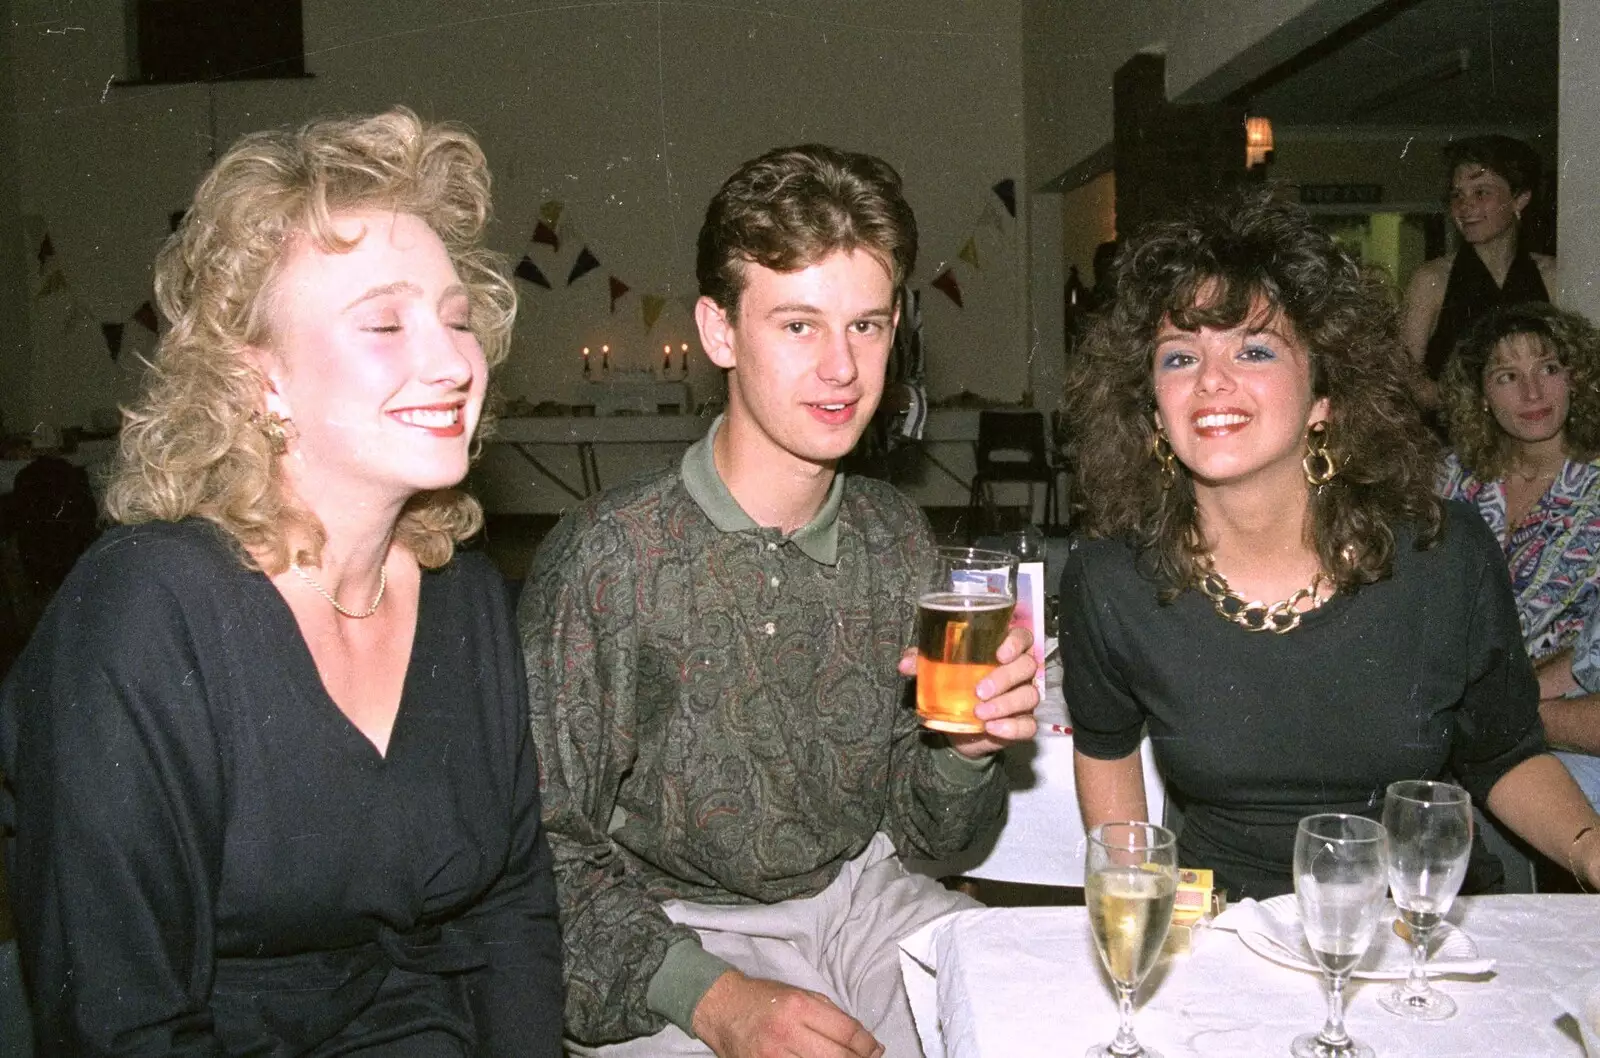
1245	432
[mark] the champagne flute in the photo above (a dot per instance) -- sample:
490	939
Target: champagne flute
1430	839
1130	881
1341	874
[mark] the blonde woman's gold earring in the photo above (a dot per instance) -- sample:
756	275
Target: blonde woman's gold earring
276	429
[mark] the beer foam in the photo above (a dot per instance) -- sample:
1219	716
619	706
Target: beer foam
965	602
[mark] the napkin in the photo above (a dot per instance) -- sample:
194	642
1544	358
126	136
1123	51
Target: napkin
1582	1000
1272	930
1051	714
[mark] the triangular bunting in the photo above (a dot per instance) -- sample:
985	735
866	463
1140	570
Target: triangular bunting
586	263
969	253
546	234
54	283
618	288
1007	190
947	284
145	316
113	336
551	213
175	218
991	217
47	250
650	307
529	271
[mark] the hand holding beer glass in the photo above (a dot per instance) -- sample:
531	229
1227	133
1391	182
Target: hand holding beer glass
962	619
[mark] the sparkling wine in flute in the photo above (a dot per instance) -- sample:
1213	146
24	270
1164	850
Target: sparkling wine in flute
957	636
1130	876
1129	910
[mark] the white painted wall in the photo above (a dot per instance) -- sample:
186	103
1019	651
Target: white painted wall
1578	192
14	272
630	113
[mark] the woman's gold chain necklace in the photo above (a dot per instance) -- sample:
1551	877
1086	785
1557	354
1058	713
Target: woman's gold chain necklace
383	582
1279	617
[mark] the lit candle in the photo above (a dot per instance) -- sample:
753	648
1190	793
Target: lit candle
666	359
605	358
586	361
684	362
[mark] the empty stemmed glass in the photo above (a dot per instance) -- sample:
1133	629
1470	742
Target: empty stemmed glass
1430	839
1341	873
1130	881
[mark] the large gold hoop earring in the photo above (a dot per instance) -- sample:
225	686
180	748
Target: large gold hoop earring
1320	464
1161	448
276	429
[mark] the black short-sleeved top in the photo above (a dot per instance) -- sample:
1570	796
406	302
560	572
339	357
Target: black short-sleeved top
1417	676
210	859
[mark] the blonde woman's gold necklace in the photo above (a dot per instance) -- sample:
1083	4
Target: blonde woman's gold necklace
1278	617
383	582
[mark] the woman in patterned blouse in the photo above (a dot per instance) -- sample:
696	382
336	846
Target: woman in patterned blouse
1523	395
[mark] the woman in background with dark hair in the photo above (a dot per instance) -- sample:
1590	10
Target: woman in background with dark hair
1245	431
1492	181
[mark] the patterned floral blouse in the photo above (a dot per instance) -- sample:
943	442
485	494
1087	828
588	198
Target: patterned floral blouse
1554	554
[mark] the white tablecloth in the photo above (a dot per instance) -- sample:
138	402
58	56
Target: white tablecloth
1016	982
1041	838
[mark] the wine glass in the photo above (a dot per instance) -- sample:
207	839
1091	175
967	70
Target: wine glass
1430	838
1130	881
1341	874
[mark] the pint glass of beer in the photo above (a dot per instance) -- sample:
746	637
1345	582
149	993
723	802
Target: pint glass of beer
961	620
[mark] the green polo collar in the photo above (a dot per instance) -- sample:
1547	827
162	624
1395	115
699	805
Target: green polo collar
818	539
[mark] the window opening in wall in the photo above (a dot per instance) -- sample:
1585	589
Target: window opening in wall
178	41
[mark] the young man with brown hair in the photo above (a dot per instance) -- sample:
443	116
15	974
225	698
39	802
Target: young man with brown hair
731	767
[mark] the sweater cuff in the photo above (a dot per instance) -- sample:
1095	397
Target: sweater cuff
962	770
682	979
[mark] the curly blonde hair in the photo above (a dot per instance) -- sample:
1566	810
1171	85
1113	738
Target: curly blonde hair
191	445
1480	443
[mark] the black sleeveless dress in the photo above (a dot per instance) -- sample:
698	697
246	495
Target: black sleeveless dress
1470	293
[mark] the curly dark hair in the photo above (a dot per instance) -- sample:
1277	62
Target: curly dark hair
1212	269
792	207
1510	159
1480	443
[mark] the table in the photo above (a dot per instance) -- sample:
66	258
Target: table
1041	838
585	433
635	395
1018	982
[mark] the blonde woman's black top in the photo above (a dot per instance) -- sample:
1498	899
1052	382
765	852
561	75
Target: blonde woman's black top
210	859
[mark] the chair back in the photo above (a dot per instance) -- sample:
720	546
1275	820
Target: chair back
1012	443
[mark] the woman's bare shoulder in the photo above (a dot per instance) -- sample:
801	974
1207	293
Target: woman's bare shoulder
1433	274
